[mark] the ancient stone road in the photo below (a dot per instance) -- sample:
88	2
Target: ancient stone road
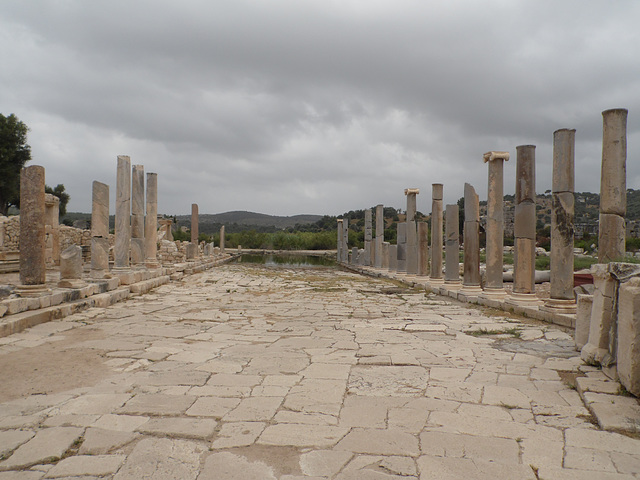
247	372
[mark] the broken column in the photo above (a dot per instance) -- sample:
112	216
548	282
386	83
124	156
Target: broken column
32	239
71	268
412	234
378	257
151	222
339	241
222	239
613	186
345	240
194	223
452	247
471	267
401	250
495	225
99	230
597	349
524	262
368	237
385	255
393	258
436	234
137	216
123	213
562	298
423	249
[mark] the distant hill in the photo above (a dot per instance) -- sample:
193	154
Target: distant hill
250	218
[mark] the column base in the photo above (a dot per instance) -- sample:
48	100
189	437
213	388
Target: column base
435	281
152	264
72	283
523	300
98	274
452	284
555	305
32	290
493	293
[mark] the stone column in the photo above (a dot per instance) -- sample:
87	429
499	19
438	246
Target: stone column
137	216
194	223
378	260
436	234
368	237
613	186
471	278
151	222
99	230
423	249
628	336
495	225
340	234
32	239
597	349
401	250
71	268
524	272
452	248
562	299
412	234
52	229
345	240
385	255
123	213
222	239
393	258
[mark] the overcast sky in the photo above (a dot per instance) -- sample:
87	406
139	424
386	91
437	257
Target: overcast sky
287	107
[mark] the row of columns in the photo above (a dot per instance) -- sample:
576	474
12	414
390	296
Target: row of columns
411	255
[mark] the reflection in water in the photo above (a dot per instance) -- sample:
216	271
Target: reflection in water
285	260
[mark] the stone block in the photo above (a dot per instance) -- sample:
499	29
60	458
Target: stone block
583	320
71	263
628	351
597	349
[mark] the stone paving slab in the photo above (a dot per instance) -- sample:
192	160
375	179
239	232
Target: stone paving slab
273	373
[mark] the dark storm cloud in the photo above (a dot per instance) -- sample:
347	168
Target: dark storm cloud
321	107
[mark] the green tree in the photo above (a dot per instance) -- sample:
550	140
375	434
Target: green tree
14	153
61	194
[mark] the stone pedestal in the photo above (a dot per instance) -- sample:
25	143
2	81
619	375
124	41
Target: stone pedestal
32	237
435	275
596	351
412	234
194	223
379	254
368	237
628	347
583	320
192	251
562	298
401	239
423	249
123	213
471	267
137	216
151	222
613	186
452	246
393	258
99	230
385	256
355	256
71	268
494	288
524	285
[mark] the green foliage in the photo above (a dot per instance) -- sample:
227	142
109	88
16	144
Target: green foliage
14	154
202	237
182	236
282	240
61	194
632	244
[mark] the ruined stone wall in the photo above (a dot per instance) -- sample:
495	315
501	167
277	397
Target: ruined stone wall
172	252
9	233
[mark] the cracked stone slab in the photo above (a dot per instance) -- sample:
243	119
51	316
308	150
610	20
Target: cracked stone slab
46	445
85	465
388	380
200	428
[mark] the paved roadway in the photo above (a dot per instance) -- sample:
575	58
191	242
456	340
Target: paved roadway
247	372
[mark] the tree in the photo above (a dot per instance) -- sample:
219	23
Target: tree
14	153
61	194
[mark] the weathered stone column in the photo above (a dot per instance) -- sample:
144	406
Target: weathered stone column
471	278
32	239
452	248
340	234
423	249
393	258
151	222
385	255
368	237
628	336
71	268
222	239
412	234
401	250
524	284
613	186
562	299
345	240
123	214
52	229
137	216
495	225
378	260
597	349
100	230
194	223
436	234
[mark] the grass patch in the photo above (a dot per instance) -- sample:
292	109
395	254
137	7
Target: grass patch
513	331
